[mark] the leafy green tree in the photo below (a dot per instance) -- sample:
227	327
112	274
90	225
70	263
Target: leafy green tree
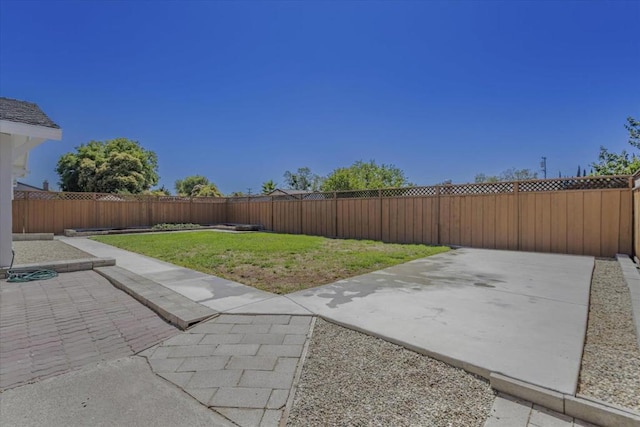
116	165
633	127
206	190
623	163
196	186
511	174
303	179
365	176
162	191
268	186
184	187
481	178
615	164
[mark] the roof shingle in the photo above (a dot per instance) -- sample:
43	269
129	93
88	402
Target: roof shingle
14	110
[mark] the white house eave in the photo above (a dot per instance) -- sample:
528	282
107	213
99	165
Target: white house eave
34	131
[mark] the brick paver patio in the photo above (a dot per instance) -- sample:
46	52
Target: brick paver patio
242	366
52	326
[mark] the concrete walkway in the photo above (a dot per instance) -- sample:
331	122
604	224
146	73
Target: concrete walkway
243	367
508	411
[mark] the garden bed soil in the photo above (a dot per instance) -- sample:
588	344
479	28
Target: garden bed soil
84	232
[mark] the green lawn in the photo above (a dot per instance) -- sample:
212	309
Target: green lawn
279	263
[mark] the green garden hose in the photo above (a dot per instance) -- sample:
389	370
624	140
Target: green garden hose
28	275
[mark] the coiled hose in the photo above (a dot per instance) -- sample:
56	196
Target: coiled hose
28	275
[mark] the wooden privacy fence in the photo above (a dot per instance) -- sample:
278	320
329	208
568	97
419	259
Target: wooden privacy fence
590	216
49	212
636	215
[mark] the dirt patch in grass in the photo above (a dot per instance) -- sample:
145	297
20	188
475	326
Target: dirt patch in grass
279	263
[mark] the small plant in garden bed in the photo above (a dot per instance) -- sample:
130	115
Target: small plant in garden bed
279	263
169	226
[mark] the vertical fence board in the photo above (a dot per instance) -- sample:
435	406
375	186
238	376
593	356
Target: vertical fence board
454	220
408	220
627	216
488	221
477	221
633	228
527	229
592	220
610	224
466	215
502	222
575	223
543	225
385	222
558	220
393	220
445	220
417	220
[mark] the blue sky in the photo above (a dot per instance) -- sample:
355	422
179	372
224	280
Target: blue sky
242	91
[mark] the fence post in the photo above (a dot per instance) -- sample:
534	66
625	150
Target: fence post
25	211
191	211
516	192
380	212
335	213
272	217
437	214
300	202
96	217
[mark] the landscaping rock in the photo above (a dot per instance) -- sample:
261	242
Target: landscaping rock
354	379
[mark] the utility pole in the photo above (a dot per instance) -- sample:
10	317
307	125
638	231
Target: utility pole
249	191
543	166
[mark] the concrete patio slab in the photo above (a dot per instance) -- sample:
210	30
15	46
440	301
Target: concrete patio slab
123	392
517	313
215	292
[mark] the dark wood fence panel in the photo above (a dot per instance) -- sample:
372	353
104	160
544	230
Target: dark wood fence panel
208	212
636	221
260	213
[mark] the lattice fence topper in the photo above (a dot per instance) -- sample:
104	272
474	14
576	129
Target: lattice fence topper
238	199
357	194
261	199
559	184
317	196
410	192
587	183
484	188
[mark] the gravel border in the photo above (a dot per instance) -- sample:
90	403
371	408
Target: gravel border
611	360
350	378
28	252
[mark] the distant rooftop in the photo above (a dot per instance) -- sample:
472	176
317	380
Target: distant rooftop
14	110
289	191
